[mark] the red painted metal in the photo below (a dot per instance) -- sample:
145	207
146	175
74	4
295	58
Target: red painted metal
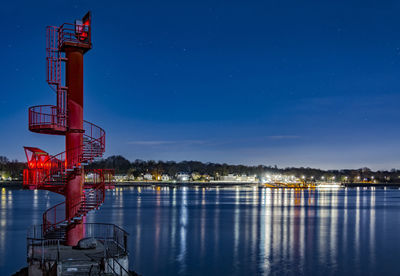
74	137
64	173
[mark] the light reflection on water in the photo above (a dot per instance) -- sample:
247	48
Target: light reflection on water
232	231
3	220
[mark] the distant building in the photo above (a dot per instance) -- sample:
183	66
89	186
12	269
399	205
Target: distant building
229	177
196	176
182	177
248	178
88	177
165	177
236	178
148	176
118	177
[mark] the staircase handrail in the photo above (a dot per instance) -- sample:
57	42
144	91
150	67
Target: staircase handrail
60	157
48	223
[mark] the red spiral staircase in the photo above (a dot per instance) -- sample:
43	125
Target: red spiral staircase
53	172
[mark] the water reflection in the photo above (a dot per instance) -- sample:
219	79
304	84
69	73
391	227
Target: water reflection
3	219
372	226
236	228
357	227
183	224
233	231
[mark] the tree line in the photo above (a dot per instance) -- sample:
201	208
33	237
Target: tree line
14	169
11	168
139	167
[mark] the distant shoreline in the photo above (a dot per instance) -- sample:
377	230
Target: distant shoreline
189	184
11	184
230	184
376	185
18	184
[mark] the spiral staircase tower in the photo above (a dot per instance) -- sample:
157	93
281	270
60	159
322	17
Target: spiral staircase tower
64	173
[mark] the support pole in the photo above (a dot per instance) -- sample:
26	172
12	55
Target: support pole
74	141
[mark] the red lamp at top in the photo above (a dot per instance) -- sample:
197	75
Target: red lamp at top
82	28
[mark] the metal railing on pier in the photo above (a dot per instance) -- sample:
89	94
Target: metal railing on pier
113	238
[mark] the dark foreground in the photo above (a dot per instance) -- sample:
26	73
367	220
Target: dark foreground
232	231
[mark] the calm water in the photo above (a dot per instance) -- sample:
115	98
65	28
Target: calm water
232	231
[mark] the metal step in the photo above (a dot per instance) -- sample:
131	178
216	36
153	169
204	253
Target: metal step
80	268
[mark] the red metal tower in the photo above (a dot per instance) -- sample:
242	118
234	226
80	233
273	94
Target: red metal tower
64	173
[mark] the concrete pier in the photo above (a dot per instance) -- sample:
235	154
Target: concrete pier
66	260
102	252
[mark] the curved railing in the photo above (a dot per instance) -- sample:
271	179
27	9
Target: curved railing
46	117
54	217
90	200
93	146
94	141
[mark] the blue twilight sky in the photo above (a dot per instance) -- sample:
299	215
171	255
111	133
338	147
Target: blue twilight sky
291	83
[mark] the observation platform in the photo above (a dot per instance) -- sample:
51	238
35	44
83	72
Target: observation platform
51	129
45	119
109	256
